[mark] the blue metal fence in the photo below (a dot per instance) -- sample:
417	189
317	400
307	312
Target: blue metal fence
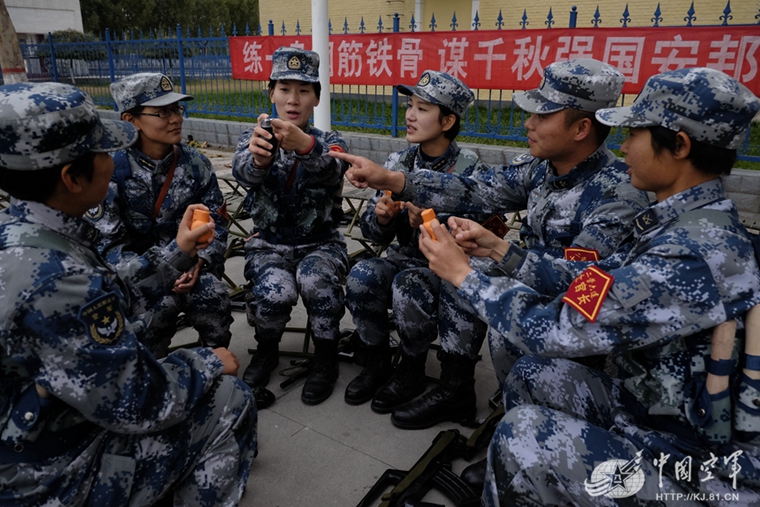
200	65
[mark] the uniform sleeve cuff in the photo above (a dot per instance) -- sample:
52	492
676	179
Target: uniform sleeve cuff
512	261
176	257
311	147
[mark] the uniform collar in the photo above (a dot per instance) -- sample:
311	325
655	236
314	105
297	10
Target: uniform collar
444	161
154	166
586	169
664	212
74	228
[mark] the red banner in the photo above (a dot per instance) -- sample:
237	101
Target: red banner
514	59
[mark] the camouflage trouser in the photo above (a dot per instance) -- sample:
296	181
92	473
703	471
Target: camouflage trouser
461	331
503	354
374	285
204	461
279	273
206	307
564	422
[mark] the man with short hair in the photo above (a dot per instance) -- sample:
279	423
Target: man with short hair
88	416
578	197
576	436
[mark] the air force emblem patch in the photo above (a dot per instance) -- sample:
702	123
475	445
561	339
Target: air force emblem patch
165	84
103	319
294	63
521	159
95	213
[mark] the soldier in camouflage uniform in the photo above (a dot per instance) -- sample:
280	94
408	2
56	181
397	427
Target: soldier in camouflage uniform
401	280
578	197
153	184
296	248
88	416
657	432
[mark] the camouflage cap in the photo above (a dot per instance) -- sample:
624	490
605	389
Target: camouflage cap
49	124
441	89
583	83
706	104
296	64
145	89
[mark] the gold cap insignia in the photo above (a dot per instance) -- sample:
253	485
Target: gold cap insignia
166	85
294	63
424	80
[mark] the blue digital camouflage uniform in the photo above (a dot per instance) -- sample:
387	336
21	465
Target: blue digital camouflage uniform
659	336
653	435
87	414
401	280
590	207
120	427
128	229
296	247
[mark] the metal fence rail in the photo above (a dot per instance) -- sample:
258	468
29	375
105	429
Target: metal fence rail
200	65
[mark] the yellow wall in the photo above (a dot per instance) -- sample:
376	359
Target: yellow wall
640	12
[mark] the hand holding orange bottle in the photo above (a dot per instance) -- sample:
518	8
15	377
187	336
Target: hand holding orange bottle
428	216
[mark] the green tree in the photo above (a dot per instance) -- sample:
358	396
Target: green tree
125	15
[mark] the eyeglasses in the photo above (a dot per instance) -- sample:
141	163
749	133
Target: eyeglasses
166	113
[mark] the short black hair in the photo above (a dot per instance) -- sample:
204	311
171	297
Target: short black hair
38	185
317	86
601	131
706	158
453	132
135	111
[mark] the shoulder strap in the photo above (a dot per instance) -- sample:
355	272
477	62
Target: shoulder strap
121	170
167	184
693	217
465	159
583	202
32	235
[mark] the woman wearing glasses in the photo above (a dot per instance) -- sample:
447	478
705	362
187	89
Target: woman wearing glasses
153	183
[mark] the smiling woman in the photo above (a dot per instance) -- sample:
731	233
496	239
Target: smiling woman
154	182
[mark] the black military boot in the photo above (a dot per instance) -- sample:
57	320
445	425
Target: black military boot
475	475
453	399
264	361
407	382
376	372
323	372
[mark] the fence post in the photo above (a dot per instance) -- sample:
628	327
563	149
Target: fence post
270	27
573	17
52	57
182	85
111	71
394	96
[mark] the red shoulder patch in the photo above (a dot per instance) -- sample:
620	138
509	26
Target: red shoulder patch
496	225
580	254
337	147
587	292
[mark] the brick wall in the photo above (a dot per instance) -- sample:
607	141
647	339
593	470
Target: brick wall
743	186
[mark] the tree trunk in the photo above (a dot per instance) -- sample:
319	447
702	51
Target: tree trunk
10	53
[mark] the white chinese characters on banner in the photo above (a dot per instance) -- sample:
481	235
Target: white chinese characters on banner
515	59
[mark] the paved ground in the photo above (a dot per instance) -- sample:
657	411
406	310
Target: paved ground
332	453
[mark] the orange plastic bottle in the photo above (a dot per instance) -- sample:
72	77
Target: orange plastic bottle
428	216
388	193
201	217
